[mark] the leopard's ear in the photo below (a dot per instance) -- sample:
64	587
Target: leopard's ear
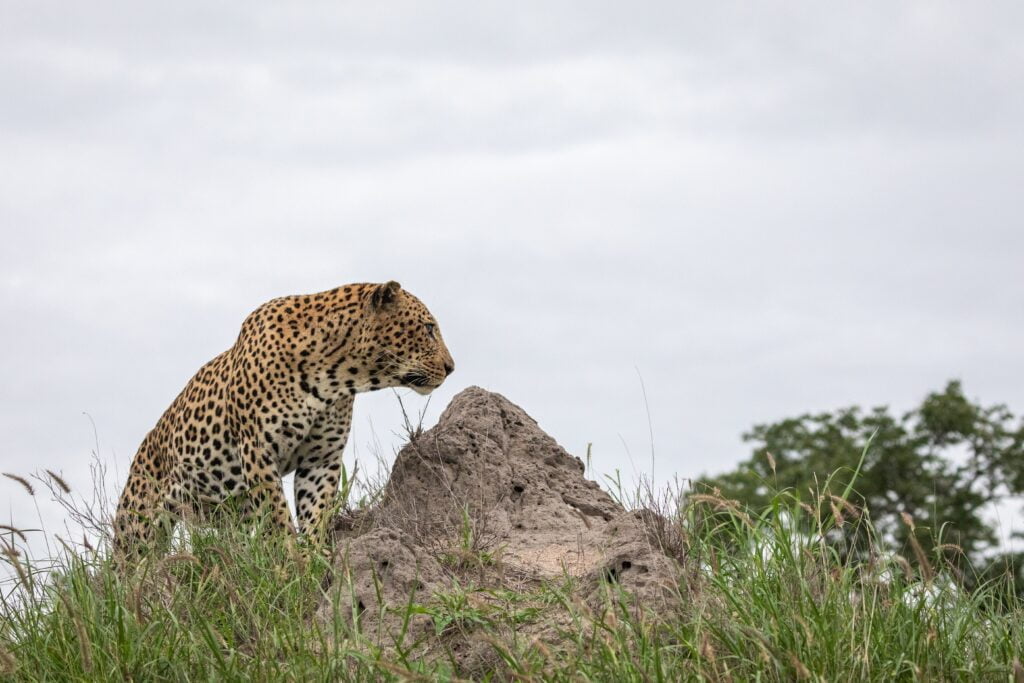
385	294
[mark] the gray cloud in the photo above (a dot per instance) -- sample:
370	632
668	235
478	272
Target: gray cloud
761	211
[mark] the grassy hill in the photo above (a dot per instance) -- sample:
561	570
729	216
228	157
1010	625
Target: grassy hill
762	595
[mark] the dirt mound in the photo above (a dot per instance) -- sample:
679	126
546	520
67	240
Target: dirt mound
487	496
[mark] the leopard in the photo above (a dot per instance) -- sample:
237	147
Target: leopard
278	401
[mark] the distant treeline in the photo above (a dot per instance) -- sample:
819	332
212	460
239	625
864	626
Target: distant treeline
926	478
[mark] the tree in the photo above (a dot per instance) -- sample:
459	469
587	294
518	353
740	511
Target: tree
929	473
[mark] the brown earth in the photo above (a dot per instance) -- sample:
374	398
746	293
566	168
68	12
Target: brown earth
486	499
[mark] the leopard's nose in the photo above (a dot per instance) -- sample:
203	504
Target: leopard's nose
449	368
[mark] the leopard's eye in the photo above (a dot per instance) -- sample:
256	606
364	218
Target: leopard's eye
430	329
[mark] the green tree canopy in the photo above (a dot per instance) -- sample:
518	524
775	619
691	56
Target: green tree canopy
941	464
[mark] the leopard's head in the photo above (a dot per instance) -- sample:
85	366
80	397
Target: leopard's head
409	346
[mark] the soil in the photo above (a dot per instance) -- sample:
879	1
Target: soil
487	499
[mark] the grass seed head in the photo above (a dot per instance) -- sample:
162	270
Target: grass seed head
59	481
21	480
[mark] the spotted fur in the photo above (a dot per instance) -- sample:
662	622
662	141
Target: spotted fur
278	401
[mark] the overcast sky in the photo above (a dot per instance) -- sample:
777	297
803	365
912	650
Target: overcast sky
760	209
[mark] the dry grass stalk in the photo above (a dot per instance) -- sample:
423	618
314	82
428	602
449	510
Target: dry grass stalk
15	561
17	532
21	480
59	481
84	645
720	503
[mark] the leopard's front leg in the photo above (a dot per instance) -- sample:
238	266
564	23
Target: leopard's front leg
263	481
319	469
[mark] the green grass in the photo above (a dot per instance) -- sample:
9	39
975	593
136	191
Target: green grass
764	596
